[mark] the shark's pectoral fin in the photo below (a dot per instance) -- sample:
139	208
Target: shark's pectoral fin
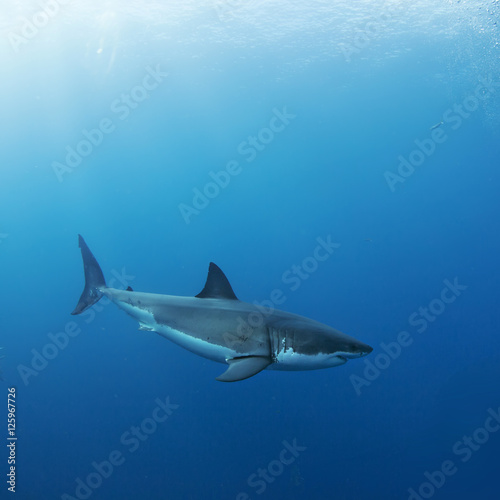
245	367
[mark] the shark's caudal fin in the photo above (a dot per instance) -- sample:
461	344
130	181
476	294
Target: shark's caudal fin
94	279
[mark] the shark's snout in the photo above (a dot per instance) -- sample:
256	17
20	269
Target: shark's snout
357	350
365	349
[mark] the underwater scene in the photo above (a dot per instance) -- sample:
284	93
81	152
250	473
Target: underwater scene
249	249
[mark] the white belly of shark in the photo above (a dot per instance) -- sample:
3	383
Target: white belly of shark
210	325
197	346
290	360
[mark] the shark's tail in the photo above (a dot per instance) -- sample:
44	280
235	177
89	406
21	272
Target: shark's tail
94	279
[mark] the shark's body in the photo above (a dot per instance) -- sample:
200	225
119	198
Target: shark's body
218	326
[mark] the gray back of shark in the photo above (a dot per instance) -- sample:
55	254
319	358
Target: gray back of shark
216	325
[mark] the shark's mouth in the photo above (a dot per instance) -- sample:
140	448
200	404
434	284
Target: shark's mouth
339	359
346	356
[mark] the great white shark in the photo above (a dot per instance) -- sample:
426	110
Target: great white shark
216	325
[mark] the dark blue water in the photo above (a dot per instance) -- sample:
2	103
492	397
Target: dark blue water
241	133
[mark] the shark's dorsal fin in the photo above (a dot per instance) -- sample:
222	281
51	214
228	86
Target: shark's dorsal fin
217	285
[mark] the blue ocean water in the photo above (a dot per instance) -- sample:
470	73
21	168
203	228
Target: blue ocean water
241	132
